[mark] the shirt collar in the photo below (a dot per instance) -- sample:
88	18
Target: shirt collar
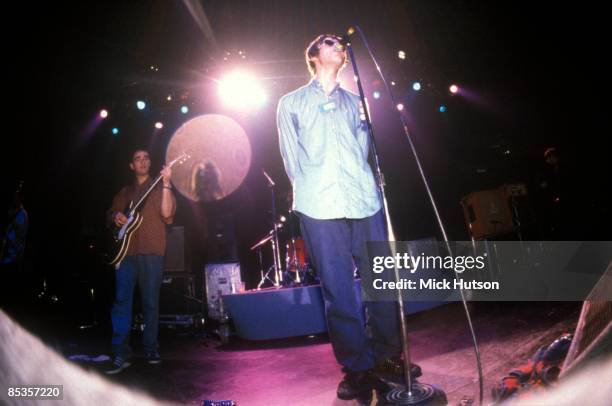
144	184
317	85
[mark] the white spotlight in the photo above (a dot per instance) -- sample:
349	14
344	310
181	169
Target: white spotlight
241	91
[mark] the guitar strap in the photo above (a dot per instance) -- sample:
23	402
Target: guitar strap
137	193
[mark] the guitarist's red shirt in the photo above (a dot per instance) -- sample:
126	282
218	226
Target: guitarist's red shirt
150	237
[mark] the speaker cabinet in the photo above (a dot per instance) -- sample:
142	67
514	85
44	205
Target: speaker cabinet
176	254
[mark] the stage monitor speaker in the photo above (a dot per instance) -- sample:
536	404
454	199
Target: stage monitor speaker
175	259
487	213
221	279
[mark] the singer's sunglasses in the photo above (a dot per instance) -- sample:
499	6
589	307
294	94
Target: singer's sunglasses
331	41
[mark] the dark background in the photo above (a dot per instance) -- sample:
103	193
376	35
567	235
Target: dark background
534	75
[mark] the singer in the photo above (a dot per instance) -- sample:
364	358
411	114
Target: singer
324	144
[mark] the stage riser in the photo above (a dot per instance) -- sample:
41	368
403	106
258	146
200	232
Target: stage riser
289	312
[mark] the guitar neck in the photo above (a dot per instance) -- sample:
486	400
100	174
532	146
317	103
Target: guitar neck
144	196
155	182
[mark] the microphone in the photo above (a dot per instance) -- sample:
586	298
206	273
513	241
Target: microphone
342	43
345	40
270	181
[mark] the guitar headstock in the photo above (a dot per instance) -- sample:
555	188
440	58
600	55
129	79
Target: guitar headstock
181	159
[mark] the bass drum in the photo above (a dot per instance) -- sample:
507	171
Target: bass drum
296	258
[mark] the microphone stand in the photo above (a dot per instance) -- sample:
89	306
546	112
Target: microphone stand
278	275
414	393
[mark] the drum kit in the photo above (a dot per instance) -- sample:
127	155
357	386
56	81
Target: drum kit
220	158
297	270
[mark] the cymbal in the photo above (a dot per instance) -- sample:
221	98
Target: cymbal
267	238
220	157
262	242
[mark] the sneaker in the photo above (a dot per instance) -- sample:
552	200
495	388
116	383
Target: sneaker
118	365
357	384
153	357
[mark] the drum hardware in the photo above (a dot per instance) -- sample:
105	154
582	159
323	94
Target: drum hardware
275	253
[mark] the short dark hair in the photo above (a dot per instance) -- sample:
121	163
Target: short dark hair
312	50
137	149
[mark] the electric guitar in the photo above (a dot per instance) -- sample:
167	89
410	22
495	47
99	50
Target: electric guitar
120	236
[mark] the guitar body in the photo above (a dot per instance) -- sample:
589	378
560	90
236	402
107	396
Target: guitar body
121	239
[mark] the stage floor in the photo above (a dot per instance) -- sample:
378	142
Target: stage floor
303	371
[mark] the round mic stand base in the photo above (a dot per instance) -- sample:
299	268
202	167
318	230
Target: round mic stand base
421	394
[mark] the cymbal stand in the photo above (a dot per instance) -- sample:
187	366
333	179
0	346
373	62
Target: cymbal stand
264	276
278	271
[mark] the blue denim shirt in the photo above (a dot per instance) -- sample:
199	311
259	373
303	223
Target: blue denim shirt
324	144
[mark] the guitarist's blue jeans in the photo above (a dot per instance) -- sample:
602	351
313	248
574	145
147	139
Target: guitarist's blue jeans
147	271
359	340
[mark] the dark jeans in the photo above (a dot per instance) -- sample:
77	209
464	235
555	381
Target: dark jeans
336	247
147	270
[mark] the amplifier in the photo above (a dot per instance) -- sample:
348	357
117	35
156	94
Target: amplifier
178	295
487	213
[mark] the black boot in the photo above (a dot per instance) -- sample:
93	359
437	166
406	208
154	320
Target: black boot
358	384
391	371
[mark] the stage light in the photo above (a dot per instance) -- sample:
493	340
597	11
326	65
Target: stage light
453	89
400	107
401	54
241	91
115	131
103	113
184	109
416	86
169	97
442	108
159	125
141	105
376	94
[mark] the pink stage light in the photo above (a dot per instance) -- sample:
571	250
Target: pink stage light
103	113
454	89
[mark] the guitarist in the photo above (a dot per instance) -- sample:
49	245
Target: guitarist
144	260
